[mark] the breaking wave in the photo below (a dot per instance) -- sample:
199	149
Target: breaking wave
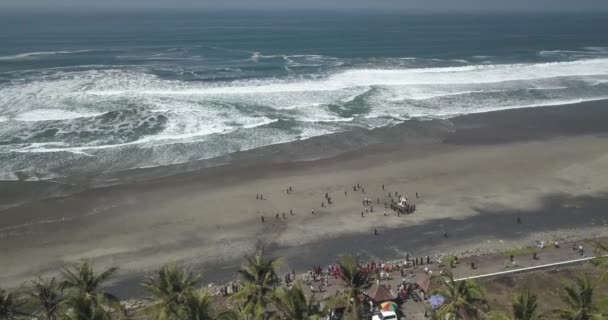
30	55
69	121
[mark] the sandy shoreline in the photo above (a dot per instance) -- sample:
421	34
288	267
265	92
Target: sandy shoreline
475	173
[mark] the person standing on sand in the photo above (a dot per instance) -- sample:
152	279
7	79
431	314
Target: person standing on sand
362	215
383	187
261	196
291	212
277	217
313	211
375	231
345	193
262	219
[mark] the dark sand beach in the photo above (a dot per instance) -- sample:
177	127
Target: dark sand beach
476	174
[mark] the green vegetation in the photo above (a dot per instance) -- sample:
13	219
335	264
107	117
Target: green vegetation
10	305
355	280
292	303
176	295
524	308
520	251
579	300
463	298
46	296
259	279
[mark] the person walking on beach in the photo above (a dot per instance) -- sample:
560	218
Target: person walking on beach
261	196
375	231
291	212
382	186
262	219
277	217
362	215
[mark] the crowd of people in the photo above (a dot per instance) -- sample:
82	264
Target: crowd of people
401	206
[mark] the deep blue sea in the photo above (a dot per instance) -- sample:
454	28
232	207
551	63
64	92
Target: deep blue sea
86	93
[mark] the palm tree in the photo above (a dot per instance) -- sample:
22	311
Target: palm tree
46	294
602	262
258	278
198	305
82	278
293	304
10	306
461	298
355	280
524	306
84	289
579	301
83	306
169	288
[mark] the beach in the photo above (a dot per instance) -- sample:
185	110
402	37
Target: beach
475	174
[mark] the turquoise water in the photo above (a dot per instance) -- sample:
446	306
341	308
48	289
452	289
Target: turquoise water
91	93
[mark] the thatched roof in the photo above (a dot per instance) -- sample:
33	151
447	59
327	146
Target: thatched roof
423	281
379	293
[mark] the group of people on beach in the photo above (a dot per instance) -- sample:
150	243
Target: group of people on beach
366	202
230	289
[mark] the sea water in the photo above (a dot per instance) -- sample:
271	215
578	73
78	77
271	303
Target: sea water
86	93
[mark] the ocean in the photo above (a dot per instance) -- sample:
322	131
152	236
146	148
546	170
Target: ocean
92	93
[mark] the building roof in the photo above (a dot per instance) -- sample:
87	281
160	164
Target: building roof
379	293
423	281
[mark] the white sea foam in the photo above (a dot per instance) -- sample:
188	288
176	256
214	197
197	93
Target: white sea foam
52	114
374	77
200	111
26	55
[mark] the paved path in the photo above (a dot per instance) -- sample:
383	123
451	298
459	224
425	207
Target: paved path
548	265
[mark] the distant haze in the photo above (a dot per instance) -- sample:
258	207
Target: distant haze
402	5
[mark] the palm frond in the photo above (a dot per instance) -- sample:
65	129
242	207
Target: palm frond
11	305
46	295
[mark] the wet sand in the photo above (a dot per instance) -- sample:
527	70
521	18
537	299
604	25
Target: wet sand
475	175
